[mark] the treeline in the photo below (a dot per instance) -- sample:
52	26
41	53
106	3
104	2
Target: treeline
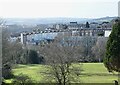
92	49
29	56
14	53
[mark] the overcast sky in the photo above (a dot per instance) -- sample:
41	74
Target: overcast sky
58	8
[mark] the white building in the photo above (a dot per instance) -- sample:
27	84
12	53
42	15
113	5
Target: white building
107	33
23	38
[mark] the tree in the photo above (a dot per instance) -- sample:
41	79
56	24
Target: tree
10	53
99	48
87	25
112	57
33	57
30	56
87	42
6	66
60	55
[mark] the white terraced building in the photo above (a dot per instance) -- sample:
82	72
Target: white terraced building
37	37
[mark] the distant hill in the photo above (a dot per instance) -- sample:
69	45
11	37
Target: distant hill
35	21
104	19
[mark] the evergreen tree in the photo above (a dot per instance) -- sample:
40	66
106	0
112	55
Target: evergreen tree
87	25
112	57
33	57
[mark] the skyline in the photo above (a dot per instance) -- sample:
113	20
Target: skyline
58	8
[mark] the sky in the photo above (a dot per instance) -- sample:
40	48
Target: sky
58	8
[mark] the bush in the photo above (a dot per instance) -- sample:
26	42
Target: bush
6	71
33	57
22	80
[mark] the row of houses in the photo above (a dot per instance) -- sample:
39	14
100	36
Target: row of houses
76	25
35	38
72	29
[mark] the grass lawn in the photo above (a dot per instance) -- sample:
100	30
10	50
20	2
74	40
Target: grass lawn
97	73
92	73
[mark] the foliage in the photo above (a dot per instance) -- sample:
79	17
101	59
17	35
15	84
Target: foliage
10	52
87	42
29	57
60	55
33	57
87	25
99	49
112	57
6	71
101	34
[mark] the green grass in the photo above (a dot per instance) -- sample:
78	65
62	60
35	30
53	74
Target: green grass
97	73
92	73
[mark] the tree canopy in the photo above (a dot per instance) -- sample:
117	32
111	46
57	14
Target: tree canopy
87	25
112	57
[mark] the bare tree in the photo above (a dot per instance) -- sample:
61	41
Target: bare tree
99	49
10	53
87	42
61	56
